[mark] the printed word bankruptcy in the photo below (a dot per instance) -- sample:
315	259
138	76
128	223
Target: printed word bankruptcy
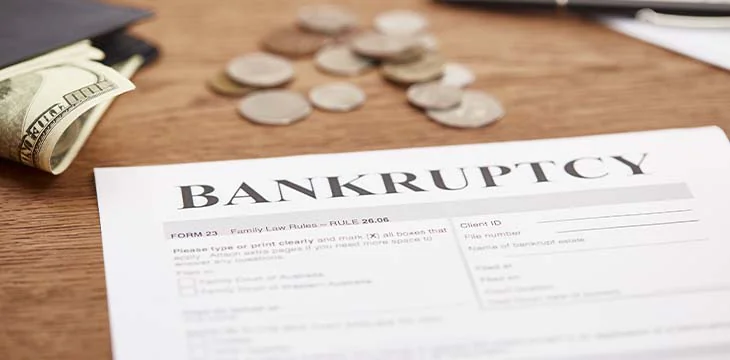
489	176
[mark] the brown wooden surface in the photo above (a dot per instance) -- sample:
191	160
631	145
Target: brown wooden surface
557	76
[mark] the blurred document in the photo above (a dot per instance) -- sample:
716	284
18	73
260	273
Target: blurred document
601	247
708	45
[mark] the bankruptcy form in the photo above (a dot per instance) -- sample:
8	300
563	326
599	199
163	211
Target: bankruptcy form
600	247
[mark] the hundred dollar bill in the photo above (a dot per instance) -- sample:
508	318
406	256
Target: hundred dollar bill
75	136
38	107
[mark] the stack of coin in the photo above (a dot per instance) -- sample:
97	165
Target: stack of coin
399	45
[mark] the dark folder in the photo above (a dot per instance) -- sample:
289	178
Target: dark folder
29	28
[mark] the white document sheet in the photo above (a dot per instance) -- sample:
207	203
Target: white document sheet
709	45
602	247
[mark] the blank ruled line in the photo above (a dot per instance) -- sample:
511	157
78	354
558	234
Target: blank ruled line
627	226
615	216
655	294
611	247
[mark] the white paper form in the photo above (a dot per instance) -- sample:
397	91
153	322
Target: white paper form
602	247
709	45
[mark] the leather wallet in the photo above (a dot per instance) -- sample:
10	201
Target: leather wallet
29	28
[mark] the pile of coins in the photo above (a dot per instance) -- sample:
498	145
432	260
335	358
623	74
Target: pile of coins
399	45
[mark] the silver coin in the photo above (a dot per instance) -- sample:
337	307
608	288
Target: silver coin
428	67
260	70
457	75
274	107
340	60
338	97
383	47
477	109
411	55
400	22
434	96
326	19
428	42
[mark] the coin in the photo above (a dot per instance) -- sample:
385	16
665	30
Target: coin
260	70
434	96
428	67
423	43
400	22
345	38
223	85
326	19
382	47
408	56
340	60
293	42
477	109
274	107
457	75
428	42
338	97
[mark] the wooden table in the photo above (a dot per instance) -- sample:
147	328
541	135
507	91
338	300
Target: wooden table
557	75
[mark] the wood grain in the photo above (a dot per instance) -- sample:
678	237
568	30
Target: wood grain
557	75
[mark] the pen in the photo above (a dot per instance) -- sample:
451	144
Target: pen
685	7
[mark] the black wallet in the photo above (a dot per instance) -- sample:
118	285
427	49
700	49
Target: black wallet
29	28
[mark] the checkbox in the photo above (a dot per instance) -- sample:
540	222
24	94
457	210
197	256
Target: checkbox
185	282
188	291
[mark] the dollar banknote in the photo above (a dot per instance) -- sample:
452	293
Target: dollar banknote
47	110
78	132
